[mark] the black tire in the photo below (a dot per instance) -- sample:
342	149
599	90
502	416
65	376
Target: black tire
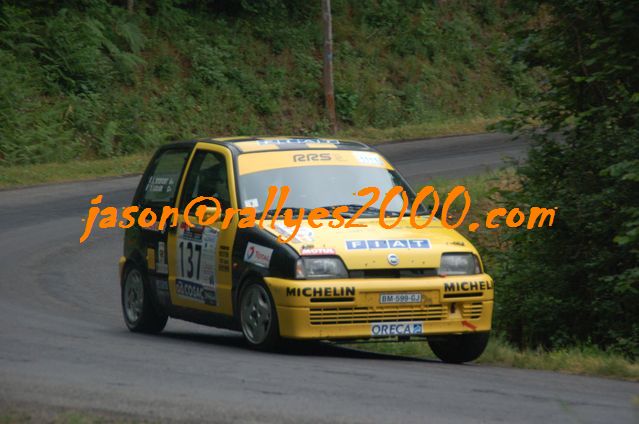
140	315
459	348
260	326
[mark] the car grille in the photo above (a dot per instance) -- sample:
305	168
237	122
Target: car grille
364	315
471	310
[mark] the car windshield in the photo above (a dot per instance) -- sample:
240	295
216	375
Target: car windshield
323	186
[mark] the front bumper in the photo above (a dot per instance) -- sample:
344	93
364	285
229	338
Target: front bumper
348	308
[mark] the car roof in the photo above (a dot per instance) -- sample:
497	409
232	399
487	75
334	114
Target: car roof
239	145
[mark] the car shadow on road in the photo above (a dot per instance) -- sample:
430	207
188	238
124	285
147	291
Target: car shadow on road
290	347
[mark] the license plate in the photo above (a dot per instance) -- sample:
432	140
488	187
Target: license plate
400	298
384	329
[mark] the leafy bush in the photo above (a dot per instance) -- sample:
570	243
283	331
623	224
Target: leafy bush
208	65
165	67
578	282
24	139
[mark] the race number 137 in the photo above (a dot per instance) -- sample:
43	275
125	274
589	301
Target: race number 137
190	255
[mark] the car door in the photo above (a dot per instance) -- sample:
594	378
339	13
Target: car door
158	189
200	256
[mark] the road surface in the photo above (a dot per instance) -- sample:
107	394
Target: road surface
63	343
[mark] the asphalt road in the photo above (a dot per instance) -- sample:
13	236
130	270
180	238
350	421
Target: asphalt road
63	343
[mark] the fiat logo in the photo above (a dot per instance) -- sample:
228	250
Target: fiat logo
393	259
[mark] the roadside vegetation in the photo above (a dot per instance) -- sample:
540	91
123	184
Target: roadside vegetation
488	191
577	284
85	79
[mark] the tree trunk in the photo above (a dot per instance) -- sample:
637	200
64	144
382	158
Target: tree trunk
329	94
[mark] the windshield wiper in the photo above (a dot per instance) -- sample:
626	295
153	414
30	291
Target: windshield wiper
271	212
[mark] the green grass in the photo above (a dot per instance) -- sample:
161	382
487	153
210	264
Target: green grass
409	132
14	417
479	186
27	175
21	414
575	360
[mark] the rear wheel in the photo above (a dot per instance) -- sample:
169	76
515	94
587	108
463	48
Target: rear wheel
258	317
139	313
458	348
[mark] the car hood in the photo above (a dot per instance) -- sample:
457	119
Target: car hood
370	247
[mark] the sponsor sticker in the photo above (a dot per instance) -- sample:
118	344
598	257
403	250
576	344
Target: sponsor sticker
317	251
456	286
321	291
196	292
251	203
368	158
161	265
160	184
304	234
209	296
387	244
312	157
296	141
258	255
188	290
385	329
224	259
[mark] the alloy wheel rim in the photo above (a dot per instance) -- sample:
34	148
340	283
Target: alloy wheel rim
256	314
133	296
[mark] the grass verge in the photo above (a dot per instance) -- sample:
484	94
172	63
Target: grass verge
27	175
23	414
409	132
576	360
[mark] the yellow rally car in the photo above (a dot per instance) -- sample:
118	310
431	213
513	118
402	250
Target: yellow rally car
326	283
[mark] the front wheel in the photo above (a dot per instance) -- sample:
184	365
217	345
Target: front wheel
139	313
258	316
458	348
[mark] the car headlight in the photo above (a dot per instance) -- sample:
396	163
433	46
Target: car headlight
459	264
315	268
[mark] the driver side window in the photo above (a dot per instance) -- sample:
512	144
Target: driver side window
207	177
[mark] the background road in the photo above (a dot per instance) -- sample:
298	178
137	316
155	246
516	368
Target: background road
63	343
